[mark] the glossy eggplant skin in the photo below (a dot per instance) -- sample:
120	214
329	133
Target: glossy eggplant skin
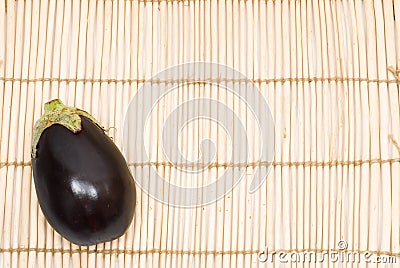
83	184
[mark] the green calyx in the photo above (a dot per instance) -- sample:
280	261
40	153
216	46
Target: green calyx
55	112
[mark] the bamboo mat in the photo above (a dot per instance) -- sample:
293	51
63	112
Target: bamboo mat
327	68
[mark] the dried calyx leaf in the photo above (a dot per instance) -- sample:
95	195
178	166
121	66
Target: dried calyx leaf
55	112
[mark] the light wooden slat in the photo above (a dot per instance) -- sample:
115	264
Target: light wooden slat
15	90
394	61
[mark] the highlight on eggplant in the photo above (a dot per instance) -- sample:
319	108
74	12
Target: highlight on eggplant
83	184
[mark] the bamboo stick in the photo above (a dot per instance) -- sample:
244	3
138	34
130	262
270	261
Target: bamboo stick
228	206
199	43
261	48
384	196
343	217
271	192
343	153
395	60
14	68
354	239
190	227
258	223
365	173
137	12
186	237
56	58
323	152
232	50
308	193
127	242
25	120
35	105
374	115
151	70
242	191
48	53
81	54
8	62
285	102
205	259
73	55
213	218
164	48
17	193
250	124
89	70
300	239
181	143
2	56
341	175
141	259
65	37
180	98
99	33
280	152
293	156
331	138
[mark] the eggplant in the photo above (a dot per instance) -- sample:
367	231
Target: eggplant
83	184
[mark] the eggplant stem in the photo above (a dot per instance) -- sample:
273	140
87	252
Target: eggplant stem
55	112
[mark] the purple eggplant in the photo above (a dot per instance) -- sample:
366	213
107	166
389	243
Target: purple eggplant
83	184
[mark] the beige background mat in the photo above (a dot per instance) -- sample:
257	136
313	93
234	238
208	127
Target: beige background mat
329	70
